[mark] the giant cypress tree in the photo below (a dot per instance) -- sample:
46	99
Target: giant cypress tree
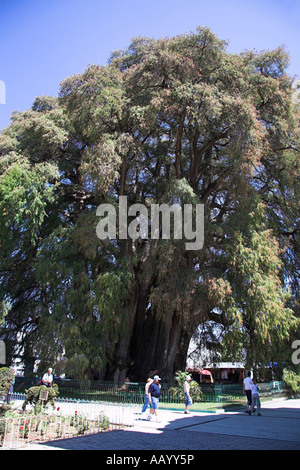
172	120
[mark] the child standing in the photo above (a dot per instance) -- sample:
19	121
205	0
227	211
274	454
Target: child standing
255	398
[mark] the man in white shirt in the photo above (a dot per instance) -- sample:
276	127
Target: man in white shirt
247	385
47	378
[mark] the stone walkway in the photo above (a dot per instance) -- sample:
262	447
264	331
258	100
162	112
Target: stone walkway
277	429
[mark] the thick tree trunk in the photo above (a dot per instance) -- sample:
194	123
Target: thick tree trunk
149	344
156	349
182	351
118	367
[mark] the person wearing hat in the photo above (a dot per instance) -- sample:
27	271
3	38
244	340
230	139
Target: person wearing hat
154	394
188	399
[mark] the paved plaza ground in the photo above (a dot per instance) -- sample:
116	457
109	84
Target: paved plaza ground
277	429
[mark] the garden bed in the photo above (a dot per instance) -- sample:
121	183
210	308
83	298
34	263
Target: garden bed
18	431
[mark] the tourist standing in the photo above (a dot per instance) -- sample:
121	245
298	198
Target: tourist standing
255	398
187	396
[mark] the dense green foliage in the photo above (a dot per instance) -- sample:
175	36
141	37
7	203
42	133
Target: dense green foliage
292	381
166	120
33	397
6	379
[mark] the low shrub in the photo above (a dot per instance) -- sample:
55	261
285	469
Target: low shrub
292	381
6	380
33	397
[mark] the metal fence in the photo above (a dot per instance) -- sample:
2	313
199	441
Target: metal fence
211	396
130	392
68	419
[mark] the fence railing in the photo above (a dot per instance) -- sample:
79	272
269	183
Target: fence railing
17	432
71	388
212	396
68	419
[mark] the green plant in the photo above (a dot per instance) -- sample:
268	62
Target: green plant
3	410
60	426
80	422
103	422
33	397
6	380
2	430
25	427
292	381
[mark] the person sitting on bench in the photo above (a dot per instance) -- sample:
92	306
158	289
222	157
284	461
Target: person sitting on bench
47	379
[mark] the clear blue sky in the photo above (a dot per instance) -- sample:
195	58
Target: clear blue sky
42	42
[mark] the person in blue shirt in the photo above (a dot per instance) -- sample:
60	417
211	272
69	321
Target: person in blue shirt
154	394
